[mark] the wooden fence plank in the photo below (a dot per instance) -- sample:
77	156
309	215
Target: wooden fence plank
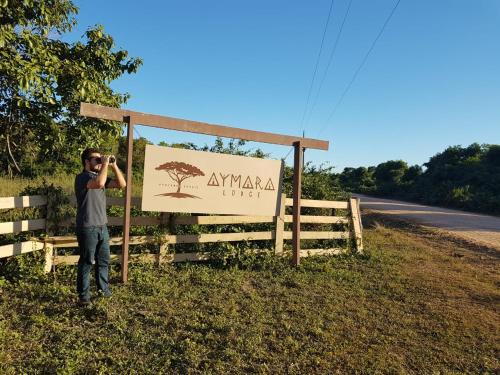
134	221
20	248
217	220
120	201
114	221
319	204
22	226
70	241
23	202
207	220
220	237
310	219
115	258
310	235
184	220
112	201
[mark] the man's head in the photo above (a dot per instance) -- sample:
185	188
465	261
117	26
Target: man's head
89	160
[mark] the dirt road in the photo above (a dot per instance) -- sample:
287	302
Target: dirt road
482	229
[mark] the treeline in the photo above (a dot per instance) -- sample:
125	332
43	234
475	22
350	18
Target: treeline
459	177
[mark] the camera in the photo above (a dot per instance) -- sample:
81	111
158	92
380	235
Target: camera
111	160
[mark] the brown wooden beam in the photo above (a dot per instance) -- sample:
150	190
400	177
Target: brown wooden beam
128	198
297	193
164	122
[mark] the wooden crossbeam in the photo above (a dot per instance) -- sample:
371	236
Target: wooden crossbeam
164	122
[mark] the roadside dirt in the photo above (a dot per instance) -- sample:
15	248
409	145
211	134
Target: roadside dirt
480	229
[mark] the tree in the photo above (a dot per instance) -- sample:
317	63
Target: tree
179	171
43	80
233	147
358	179
138	153
388	176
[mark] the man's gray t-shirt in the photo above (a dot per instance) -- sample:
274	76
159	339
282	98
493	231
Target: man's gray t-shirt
91	203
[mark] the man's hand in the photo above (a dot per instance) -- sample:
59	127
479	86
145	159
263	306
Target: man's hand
99	181
105	159
119	181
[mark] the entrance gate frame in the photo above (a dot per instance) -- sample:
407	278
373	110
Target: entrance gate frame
132	118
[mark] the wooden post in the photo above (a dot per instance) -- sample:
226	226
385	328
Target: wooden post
297	193
279	225
358	201
356	224
47	246
128	199
165	225
49	253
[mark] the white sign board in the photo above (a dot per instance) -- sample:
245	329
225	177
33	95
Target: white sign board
178	180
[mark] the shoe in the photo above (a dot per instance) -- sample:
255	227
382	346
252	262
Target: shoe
84	301
105	294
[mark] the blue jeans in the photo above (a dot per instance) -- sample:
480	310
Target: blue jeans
94	249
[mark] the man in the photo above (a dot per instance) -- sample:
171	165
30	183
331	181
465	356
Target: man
91	230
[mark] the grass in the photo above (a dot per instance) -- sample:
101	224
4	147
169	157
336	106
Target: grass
415	303
10	187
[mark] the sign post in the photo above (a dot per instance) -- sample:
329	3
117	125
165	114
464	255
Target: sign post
128	199
297	192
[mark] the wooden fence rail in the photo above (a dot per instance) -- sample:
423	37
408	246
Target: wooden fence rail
350	218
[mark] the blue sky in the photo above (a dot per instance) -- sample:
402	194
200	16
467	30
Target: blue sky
431	81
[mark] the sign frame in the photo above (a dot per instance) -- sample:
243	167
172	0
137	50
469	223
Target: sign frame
132	118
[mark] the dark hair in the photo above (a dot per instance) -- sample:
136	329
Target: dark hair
87	152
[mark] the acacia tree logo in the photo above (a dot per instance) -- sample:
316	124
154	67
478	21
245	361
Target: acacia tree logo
179	171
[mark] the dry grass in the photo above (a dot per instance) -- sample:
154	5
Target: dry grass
10	187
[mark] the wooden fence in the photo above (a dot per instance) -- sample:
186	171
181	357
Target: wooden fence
15	227
349	218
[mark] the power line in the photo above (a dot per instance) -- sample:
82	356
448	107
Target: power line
317	64
293	147
286	156
330	59
137	132
360	67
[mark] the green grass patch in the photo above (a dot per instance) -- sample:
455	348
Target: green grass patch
410	305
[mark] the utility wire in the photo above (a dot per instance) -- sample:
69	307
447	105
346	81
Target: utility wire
316	67
360	67
292	148
137	132
286	156
330	59
315	71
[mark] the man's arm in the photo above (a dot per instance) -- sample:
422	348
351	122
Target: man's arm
100	181
119	181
